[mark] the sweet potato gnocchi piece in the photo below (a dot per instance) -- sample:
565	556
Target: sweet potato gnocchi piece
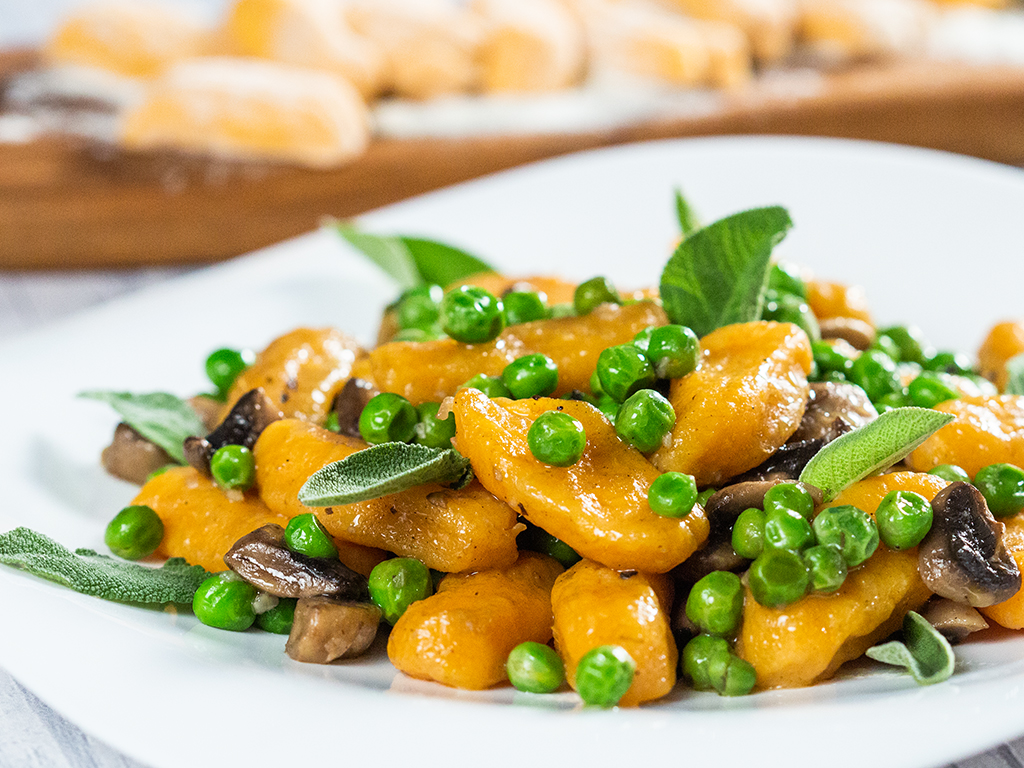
201	522
300	372
431	371
743	402
462	635
555	289
448	530
1010	613
1004	341
829	300
594	605
597	506
987	430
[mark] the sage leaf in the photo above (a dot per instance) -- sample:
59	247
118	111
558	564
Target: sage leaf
381	470
719	274
159	417
924	651
91	573
1015	368
871	448
413	261
685	215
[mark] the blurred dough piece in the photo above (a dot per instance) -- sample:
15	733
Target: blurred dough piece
859	29
133	38
529	45
770	25
307	33
656	43
247	108
430	46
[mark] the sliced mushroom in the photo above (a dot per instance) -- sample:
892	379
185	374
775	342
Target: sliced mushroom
786	464
829	401
716	556
963	557
132	457
242	426
954	620
263	560
349	404
726	505
857	333
325	630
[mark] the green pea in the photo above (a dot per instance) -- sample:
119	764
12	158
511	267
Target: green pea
910	344
420	307
829	359
852	530
672	494
886	346
826	567
332	423
556	438
388	418
787	308
787	529
225	601
950	362
740	677
789	496
307	536
643	339
604	674
492	386
778	577
608	407
531	376
558	311
397	583
536	539
875	373
903	519
703	656
624	370
785	278
673	350
951	473
233	468
891	401
535	668
418	335
1002	485
523	307
592	294
472	315
279	619
595	386
432	431
644	420
929	389
135	532
715	603
748	533
836	376
224	365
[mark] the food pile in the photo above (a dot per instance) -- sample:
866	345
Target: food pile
308	81
735	479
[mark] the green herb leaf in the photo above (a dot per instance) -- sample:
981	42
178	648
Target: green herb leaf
90	573
413	261
924	651
873	447
1015	367
688	220
381	470
718	275
159	417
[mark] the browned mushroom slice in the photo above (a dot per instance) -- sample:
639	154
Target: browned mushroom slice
829	401
263	560
725	505
325	630
786	464
963	557
132	457
716	556
855	332
247	419
954	620
349	404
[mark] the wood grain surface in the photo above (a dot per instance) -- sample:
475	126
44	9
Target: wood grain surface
65	204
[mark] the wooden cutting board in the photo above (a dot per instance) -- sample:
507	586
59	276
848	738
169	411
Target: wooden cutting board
63	204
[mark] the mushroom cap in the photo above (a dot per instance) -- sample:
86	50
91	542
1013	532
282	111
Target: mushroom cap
326	629
242	426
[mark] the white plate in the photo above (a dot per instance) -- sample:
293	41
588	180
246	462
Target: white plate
934	238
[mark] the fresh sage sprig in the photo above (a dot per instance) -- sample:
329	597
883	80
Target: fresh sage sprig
924	651
688	220
413	261
1015	368
381	470
91	573
875	446
159	417
718	275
